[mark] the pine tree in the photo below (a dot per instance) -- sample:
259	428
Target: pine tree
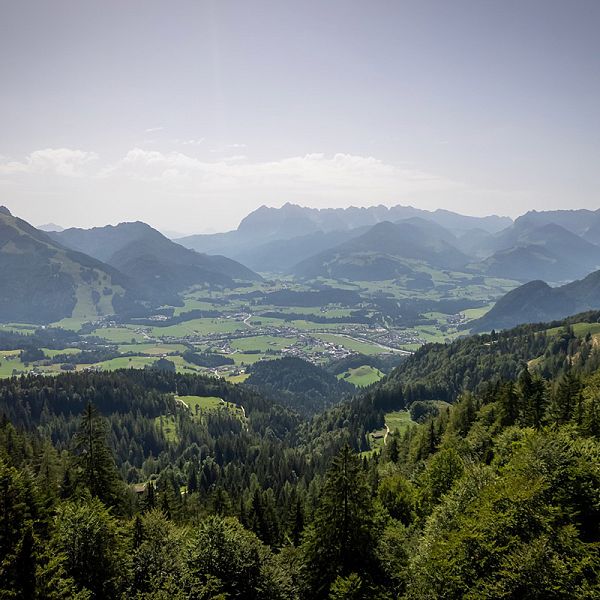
192	484
98	471
536	406
392	447
525	388
509	404
567	399
297	525
343	537
150	497
17	563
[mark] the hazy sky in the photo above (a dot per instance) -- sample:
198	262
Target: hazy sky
189	114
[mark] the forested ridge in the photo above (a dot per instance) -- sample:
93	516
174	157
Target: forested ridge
111	488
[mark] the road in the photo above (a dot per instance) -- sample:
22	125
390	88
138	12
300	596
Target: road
367	341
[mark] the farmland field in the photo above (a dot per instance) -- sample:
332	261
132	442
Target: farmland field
247	329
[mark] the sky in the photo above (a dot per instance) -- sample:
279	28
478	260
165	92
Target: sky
190	114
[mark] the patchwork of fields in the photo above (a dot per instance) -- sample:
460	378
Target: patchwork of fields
244	326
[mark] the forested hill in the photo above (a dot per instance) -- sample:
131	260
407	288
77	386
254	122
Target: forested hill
444	371
298	384
537	301
42	281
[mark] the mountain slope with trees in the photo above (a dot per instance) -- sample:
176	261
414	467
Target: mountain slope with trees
529	251
157	265
298	384
536	301
42	281
386	252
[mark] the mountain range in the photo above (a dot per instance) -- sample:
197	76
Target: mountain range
557	246
312	230
93	272
48	276
386	251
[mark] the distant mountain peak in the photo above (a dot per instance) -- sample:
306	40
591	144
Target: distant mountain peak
49	227
5	211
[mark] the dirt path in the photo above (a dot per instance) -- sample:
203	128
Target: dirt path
181	402
387	432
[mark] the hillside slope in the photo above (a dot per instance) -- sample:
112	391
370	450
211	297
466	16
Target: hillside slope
536	301
158	266
43	281
298	384
551	252
386	251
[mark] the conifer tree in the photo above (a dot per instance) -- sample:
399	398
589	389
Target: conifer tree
509	404
567	399
343	538
297	524
95	460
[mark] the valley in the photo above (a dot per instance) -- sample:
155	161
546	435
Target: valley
299	300
242	325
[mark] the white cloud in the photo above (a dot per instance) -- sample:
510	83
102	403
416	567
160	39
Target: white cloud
178	191
60	161
312	172
153	129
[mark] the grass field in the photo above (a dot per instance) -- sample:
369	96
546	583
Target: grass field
430	334
476	313
152	349
240	359
119	335
362	376
579	329
203	404
198	327
52	353
9	361
191	303
126	362
399	420
198	403
237	378
168	426
261	343
71	323
411	347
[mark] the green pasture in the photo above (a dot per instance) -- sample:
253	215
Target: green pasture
361	376
152	349
119	335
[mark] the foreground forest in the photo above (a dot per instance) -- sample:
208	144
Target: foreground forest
110	487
